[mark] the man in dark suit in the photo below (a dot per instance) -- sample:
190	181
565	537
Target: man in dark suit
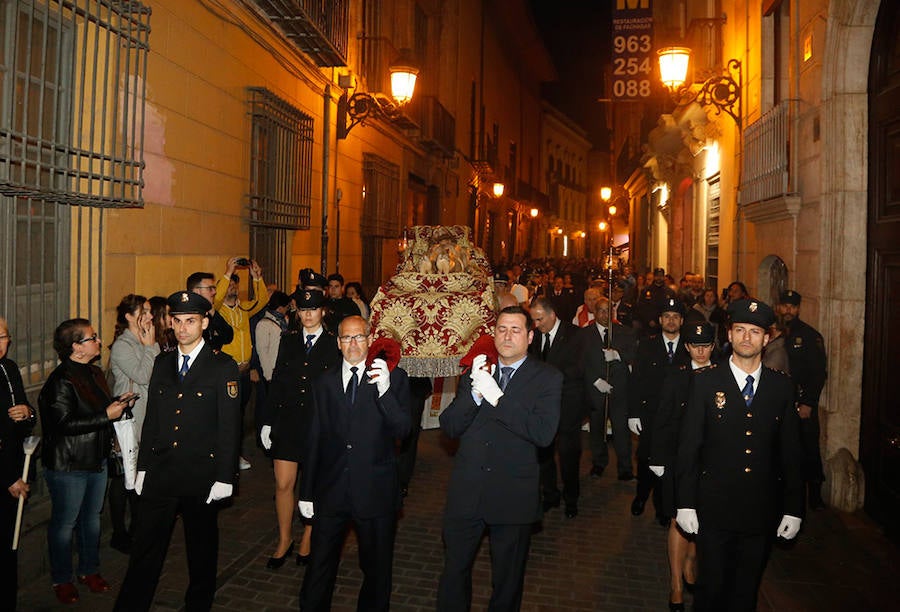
187	461
738	467
494	483
558	343
608	351
657	355
350	469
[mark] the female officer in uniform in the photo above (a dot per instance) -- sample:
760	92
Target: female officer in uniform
302	356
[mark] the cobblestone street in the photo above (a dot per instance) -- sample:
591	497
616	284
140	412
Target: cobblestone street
605	559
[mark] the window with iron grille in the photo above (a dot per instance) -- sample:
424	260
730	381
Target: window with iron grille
381	213
280	180
712	236
72	100
71	112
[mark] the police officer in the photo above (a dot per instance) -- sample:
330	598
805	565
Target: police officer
187	461
806	357
649	301
738	465
657	355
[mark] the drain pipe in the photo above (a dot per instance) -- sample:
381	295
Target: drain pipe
326	163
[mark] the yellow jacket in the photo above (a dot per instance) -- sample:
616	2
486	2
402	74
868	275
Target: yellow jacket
239	317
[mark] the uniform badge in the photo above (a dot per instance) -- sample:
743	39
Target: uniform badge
752	307
184	297
699	330
798	341
232	388
720	399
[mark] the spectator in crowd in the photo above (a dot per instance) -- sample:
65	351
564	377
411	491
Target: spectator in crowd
339	306
15	423
131	357
354	291
162	324
237	314
218	333
77	410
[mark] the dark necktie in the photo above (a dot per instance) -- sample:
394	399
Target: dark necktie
604	339
671	352
546	348
309	342
747	391
352	385
505	374
184	367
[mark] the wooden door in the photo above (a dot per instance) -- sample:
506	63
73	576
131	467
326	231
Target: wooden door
880	438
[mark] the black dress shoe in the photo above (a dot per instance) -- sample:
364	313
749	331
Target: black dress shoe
549	504
276	562
303	559
596	472
676	607
571	511
626	476
637	506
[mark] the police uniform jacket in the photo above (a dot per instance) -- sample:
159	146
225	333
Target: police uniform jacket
651	366
192	429
495	472
290	393
806	356
738	465
350	465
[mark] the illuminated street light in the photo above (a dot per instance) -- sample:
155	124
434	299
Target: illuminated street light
613	209
605	193
722	92
534	213
363	106
603	226
498	189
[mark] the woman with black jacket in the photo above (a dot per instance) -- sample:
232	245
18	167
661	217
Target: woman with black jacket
77	410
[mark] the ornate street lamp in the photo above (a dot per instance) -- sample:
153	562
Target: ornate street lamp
363	106
723	92
498	189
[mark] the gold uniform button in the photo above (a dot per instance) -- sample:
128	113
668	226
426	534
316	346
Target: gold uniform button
749	414
748	433
212	455
747	470
199	394
175	444
180	395
176	428
748	451
178	411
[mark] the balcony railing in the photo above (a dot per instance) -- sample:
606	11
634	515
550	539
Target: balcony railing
766	158
318	28
438	126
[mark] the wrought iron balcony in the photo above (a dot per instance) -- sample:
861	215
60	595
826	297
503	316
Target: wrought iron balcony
437	125
765	176
318	28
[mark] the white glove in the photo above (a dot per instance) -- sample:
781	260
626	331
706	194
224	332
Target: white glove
659	470
634	424
687	520
611	355
139	482
219	490
479	362
379	374
265	436
789	527
602	386
484	383
306	509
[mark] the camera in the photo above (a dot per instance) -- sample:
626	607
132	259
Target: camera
242	261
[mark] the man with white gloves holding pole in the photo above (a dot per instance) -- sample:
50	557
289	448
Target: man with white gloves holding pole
739	483
187	461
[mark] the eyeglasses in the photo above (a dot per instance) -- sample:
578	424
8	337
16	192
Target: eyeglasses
358	338
207	287
94	338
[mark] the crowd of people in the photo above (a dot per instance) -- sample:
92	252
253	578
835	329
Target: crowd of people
720	394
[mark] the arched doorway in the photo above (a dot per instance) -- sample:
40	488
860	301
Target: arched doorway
880	426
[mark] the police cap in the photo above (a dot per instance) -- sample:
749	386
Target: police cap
753	312
188	302
699	333
671	305
307	299
501	277
310	278
789	297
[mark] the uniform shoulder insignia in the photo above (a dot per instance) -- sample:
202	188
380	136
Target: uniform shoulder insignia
232	387
682	367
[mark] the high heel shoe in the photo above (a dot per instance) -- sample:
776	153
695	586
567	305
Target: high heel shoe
303	559
276	562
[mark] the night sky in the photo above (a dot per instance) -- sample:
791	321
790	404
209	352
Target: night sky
577	36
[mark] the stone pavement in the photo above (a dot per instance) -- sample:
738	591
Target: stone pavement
604	559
